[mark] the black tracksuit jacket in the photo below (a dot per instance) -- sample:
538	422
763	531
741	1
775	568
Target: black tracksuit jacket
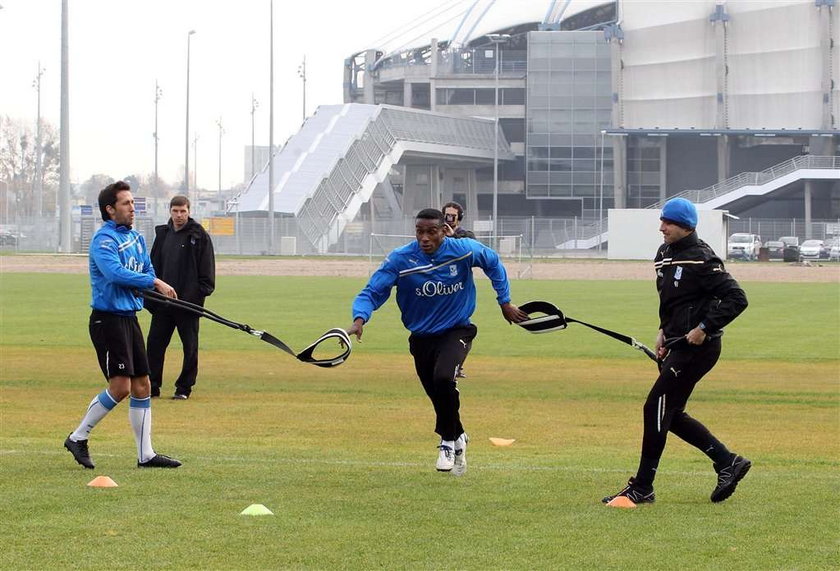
185	260
694	288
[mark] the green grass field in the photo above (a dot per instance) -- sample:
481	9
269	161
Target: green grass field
344	457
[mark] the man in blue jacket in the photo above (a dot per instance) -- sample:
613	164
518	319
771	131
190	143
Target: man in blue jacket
436	296
119	266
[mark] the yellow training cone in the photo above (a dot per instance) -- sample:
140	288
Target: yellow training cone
256	509
621	502
502	441
102	482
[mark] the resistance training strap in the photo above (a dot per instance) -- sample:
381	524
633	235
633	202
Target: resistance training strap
554	320
307	355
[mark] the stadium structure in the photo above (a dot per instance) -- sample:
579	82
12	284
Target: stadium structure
566	109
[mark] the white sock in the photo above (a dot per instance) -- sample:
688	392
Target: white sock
461	443
140	415
100	406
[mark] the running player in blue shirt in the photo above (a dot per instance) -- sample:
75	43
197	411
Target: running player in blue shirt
436	296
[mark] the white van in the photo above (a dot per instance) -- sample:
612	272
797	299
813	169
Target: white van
743	246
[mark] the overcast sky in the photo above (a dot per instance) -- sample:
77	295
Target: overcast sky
119	48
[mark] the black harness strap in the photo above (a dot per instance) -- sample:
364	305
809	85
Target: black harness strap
554	320
306	356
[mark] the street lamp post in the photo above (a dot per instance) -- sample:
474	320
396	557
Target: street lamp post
187	130
254	105
601	195
195	161
39	177
221	132
155	186
302	75
497	39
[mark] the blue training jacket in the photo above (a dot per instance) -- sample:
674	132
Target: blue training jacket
119	263
435	293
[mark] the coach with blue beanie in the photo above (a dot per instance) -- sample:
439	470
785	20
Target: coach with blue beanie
697	298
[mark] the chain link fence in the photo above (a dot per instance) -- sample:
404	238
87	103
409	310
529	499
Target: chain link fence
525	237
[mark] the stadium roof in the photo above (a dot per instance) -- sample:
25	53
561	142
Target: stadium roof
459	21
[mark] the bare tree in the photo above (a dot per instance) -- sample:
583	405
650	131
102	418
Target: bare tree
91	187
18	159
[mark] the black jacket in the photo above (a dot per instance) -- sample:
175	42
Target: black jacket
695	288
461	232
185	260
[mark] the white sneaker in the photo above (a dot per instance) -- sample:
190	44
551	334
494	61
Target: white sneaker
446	459
460	464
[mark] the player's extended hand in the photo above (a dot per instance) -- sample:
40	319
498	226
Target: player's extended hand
357	328
659	347
512	313
164	288
696	336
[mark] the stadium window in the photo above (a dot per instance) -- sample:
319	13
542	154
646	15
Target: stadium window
486	96
512	96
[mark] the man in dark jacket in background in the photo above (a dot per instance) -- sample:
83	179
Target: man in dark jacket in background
697	298
183	253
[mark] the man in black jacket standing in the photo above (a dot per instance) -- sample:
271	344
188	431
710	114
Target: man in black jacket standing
183	252
697	298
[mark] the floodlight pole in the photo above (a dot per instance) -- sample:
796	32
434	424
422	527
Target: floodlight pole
271	132
497	39
65	208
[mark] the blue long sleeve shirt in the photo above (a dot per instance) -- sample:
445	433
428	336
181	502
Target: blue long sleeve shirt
119	263
434	292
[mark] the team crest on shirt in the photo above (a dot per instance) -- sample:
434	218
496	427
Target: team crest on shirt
453	270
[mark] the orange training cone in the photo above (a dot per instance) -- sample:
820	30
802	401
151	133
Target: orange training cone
502	441
621	502
102	482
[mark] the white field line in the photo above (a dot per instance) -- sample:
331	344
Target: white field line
767	472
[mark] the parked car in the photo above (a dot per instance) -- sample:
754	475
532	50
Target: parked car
7	238
791	248
829	244
775	249
834	253
744	246
811	250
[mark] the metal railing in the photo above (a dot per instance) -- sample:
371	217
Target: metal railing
323	216
597	227
756	178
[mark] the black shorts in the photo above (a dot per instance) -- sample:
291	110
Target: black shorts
119	345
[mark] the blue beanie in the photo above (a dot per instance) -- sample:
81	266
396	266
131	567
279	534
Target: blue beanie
680	211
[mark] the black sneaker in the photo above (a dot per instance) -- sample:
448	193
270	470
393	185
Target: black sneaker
159	461
635	493
79	450
180	396
729	476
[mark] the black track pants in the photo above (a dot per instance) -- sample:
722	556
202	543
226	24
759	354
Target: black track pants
163	324
436	359
664	409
